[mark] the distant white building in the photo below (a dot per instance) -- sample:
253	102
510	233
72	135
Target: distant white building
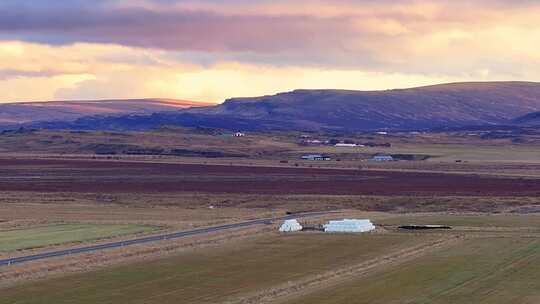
345	145
381	158
315	157
382	133
239	134
349	225
290	226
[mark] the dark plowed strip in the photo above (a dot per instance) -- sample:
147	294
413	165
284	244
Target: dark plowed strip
111	176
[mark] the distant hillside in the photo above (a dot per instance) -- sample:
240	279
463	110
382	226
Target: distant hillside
29	112
449	105
454	105
531	119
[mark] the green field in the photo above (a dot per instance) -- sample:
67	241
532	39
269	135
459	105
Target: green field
488	270
486	267
213	275
531	221
473	152
35	237
447	152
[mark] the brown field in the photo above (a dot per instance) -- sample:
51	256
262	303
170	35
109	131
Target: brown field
482	153
59	178
139	177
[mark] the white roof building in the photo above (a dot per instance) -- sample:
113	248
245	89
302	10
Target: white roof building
383	158
345	145
315	157
290	226
349	225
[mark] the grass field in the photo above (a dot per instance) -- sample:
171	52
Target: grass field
213	276
18	239
445	152
487	267
531	221
488	270
471	152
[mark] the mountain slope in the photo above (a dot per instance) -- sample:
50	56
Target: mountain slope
531	119
442	106
28	112
450	105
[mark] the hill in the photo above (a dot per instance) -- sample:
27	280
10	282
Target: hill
531	119
448	105
30	112
455	105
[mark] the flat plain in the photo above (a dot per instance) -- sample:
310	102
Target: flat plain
485	270
35	237
53	175
62	188
213	276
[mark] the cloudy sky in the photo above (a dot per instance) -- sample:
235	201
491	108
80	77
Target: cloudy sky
209	50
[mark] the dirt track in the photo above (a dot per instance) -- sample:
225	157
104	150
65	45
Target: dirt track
137	177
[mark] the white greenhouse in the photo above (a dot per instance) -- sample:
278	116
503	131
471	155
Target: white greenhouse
349	225
290	226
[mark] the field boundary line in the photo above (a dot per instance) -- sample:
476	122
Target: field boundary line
296	288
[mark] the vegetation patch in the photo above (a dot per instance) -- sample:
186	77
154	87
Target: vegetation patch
217	275
35	237
487	270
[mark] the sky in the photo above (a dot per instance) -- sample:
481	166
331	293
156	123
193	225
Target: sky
211	50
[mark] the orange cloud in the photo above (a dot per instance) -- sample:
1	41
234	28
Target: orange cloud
211	50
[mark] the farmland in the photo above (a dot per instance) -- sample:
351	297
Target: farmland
213	276
144	177
487	152
487	270
35	237
490	259
269	152
89	188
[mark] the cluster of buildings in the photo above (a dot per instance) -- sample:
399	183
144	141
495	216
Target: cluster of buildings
377	158
316	157
336	226
308	141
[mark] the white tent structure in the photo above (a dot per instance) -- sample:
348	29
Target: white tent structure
290	226
349	225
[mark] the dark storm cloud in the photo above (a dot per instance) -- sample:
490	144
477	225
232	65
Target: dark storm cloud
175	30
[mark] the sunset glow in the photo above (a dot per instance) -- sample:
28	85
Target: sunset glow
211	50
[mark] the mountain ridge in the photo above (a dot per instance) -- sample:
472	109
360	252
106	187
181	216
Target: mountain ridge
46	111
452	105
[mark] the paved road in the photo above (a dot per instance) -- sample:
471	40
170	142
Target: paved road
58	253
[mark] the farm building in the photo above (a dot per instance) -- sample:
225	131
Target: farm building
345	145
239	134
349	225
382	158
290	226
316	157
